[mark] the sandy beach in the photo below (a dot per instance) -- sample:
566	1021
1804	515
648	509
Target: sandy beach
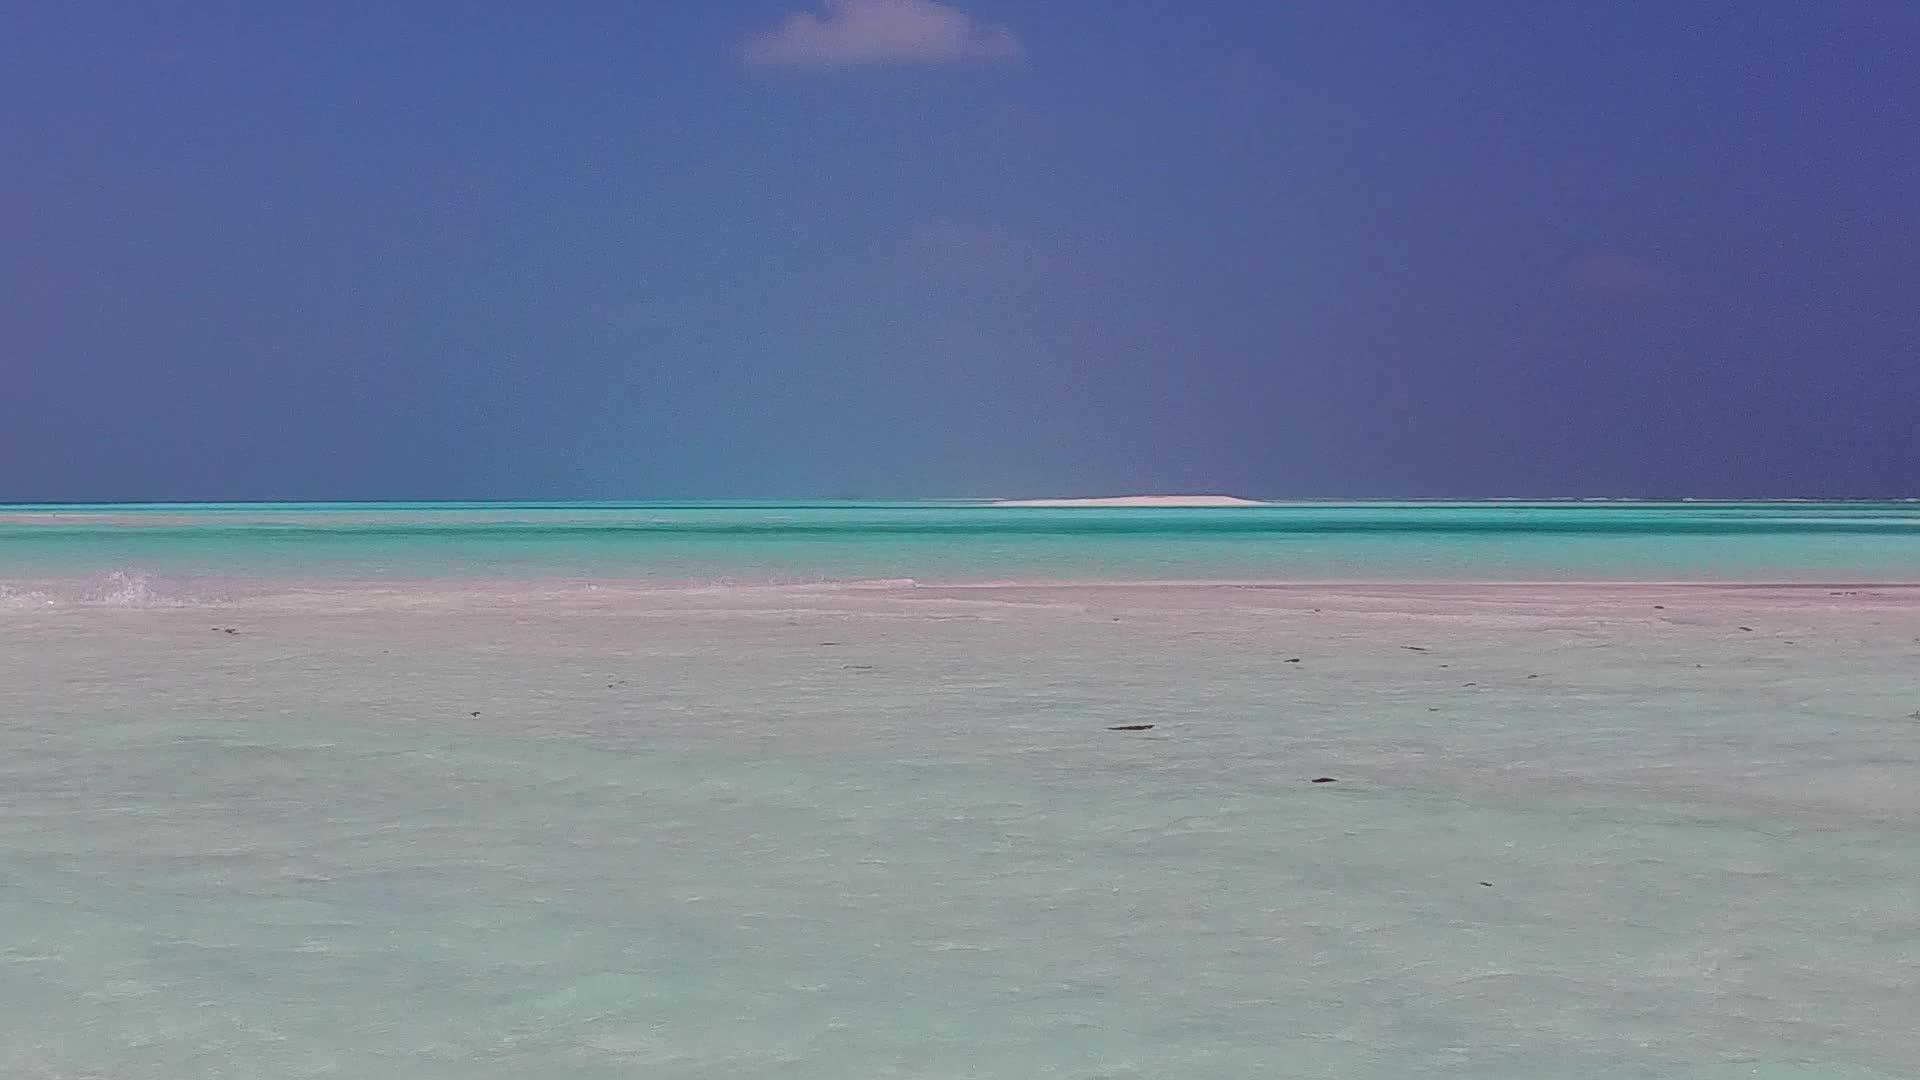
502	828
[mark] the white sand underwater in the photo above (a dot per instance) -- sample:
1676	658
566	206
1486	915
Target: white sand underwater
1164	501
566	831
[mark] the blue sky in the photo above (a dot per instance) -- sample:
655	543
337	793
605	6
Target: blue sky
902	248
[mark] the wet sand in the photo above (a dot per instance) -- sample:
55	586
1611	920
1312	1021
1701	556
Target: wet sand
603	829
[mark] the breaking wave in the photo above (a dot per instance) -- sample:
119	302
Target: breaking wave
124	587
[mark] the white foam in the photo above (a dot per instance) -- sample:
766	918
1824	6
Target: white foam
17	598
125	587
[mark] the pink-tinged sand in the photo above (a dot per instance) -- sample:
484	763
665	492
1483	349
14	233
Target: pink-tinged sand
605	828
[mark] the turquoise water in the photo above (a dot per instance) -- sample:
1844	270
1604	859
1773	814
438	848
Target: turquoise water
435	811
971	542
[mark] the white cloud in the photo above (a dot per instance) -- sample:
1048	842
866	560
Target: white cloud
853	33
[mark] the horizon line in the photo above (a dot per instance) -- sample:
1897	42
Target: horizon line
968	500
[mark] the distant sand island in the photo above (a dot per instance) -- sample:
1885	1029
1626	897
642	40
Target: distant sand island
1138	500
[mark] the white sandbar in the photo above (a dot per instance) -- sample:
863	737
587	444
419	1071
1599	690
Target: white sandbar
1138	500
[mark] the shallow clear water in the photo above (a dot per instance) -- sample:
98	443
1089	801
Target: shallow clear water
492	824
955	542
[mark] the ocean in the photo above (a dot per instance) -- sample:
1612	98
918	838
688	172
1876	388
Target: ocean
763	543
1522	791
